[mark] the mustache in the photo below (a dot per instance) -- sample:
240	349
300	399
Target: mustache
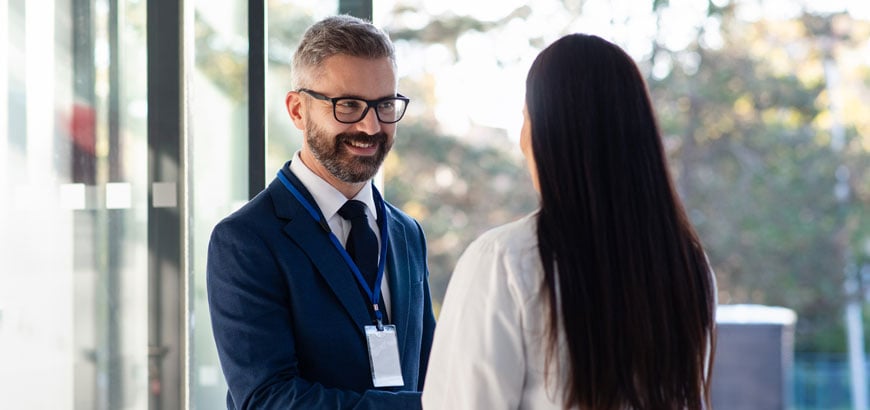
379	138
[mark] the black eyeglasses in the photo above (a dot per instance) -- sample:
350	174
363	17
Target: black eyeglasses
348	110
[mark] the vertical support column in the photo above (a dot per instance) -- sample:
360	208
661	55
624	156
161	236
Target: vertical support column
83	170
114	223
357	8
256	97
166	284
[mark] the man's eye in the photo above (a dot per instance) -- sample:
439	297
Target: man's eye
349	105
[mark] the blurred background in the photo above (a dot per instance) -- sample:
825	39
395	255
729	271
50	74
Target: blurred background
129	128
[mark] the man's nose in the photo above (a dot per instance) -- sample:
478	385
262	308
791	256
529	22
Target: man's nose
370	124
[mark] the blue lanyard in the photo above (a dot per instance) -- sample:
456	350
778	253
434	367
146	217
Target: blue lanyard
379	201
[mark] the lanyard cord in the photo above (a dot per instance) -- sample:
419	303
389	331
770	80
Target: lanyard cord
374	297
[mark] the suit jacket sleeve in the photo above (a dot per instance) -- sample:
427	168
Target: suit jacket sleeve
254	334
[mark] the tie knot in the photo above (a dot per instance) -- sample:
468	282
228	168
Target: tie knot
352	209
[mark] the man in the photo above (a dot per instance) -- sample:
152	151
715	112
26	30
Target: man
290	279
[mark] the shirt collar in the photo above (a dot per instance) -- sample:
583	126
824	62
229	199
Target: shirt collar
329	199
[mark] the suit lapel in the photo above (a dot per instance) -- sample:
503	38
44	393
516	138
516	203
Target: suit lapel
400	286
315	242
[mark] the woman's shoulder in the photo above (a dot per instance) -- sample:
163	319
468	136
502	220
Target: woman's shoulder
511	237
511	251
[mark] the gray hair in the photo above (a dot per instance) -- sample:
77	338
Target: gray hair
334	35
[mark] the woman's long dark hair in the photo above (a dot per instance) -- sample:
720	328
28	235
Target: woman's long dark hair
635	293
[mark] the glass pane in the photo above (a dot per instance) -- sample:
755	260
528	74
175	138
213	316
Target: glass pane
73	219
219	144
218	165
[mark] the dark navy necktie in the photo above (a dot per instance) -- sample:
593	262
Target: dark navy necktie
362	246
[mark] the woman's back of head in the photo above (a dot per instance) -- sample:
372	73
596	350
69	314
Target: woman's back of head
636	296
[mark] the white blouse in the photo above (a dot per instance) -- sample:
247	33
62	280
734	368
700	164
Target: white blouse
490	342
489	348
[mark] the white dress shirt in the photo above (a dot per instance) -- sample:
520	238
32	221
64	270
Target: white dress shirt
330	200
489	345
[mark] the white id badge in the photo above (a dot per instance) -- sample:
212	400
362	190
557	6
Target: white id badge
384	356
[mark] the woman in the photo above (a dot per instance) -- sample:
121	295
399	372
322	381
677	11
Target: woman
603	298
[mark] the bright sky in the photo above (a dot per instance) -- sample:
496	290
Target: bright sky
486	84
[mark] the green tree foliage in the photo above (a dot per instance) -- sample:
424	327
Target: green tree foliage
748	129
757	173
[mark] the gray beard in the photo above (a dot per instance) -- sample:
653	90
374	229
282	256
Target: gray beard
333	155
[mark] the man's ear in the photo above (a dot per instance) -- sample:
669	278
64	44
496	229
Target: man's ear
293	102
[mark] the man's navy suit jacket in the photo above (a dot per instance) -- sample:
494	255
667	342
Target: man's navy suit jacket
288	316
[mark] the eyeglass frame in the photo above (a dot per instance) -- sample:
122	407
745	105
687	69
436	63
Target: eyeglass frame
369	104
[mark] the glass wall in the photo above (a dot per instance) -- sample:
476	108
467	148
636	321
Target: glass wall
73	218
81	293
218	155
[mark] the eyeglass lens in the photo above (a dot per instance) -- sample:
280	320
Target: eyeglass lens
352	110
